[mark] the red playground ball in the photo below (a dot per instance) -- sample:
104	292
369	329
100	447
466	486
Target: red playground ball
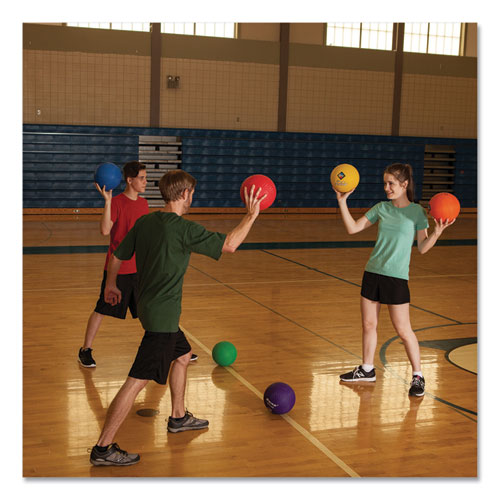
279	398
444	206
260	181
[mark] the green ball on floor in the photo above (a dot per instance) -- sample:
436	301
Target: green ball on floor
224	353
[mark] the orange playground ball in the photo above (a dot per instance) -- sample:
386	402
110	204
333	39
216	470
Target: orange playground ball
260	181
444	206
344	178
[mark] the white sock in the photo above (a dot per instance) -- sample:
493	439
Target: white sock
367	368
418	373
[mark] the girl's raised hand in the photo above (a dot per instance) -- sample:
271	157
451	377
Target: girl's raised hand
343	196
441	225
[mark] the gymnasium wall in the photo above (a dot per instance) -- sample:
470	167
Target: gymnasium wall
86	88
102	77
340	90
86	99
220	95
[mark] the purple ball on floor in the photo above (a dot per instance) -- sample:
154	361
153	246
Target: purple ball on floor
279	398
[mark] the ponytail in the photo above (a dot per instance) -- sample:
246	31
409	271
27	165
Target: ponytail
403	172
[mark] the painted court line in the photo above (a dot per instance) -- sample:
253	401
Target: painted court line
313	332
315	442
283	245
198	285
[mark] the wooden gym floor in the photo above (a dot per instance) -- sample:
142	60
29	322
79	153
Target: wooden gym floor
291	308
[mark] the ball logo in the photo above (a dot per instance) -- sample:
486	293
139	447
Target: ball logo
344	178
340	176
279	398
270	404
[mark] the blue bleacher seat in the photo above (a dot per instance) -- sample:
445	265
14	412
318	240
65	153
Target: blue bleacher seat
59	163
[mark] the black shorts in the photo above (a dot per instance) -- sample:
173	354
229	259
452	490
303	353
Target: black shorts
385	289
127	283
156	353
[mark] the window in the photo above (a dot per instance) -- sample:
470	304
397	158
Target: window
360	35
130	26
433	38
343	34
222	30
113	26
426	38
178	28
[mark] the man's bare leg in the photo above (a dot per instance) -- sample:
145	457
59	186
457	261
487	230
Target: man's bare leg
119	409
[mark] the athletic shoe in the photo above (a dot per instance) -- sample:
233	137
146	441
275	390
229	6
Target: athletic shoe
417	387
188	423
194	357
113	456
85	357
359	375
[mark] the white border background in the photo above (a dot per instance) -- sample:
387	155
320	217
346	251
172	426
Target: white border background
484	13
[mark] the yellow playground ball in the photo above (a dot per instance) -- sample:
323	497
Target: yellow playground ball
344	178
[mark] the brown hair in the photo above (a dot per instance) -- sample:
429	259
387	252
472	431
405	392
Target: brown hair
173	184
132	168
403	172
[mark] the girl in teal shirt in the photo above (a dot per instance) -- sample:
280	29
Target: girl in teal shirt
385	280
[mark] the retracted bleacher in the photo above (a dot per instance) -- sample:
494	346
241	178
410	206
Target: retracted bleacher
59	163
160	154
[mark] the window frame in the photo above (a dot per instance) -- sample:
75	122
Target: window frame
389	35
233	29
432	40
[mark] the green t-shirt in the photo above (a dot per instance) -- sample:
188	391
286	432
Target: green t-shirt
163	242
396	233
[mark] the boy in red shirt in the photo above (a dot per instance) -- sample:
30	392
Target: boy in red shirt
119	216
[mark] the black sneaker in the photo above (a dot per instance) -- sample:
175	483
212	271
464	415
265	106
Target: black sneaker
113	456
359	375
188	423
417	387
194	357
85	357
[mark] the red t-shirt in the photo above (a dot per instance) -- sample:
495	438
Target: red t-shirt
124	213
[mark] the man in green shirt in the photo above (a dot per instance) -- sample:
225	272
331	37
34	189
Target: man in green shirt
163	242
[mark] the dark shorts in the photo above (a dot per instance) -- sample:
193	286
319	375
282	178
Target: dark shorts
127	283
156	353
385	289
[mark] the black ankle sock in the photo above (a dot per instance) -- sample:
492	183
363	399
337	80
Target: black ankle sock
101	449
178	419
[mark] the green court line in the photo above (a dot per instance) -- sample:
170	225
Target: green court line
463	411
286	318
459	409
48	250
65	249
350	282
280	245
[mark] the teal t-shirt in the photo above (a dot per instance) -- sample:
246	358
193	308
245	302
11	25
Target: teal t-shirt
163	243
396	232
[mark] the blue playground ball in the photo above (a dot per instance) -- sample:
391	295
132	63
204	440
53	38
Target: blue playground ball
109	175
279	398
